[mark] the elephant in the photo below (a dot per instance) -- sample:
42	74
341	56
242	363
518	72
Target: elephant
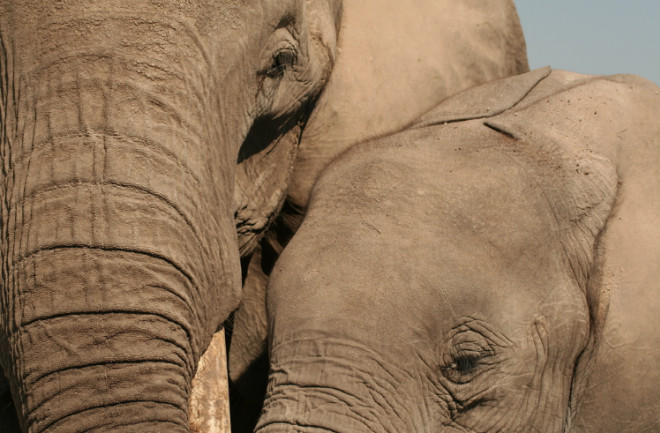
396	61
145	148
493	267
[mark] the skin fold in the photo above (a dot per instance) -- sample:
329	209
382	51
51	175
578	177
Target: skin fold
396	61
491	268
145	147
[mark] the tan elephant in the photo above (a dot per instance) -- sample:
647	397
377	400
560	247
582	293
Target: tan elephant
396	60
145	146
494	267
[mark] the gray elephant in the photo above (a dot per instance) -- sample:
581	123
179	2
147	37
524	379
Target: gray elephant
491	268
396	61
136	135
145	146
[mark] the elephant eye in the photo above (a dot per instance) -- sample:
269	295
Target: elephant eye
471	348
282	60
465	363
463	367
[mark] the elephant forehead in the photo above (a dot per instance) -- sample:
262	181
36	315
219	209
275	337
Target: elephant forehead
429	196
453	225
411	261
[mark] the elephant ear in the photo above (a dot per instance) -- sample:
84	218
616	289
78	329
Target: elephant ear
499	96
574	169
486	100
598	122
572	150
583	198
325	21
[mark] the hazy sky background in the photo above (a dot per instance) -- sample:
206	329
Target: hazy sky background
593	36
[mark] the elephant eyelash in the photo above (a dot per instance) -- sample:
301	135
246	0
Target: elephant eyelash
463	367
464	364
282	60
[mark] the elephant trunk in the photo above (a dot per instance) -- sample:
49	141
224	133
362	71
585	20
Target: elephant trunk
119	253
117	349
321	384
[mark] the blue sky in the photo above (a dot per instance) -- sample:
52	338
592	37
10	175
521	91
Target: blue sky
593	36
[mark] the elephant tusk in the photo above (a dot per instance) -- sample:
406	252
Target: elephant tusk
209	399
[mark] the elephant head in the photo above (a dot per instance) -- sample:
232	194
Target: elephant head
449	278
145	145
397	59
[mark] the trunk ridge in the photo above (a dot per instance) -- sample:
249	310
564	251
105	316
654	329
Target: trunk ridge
117	333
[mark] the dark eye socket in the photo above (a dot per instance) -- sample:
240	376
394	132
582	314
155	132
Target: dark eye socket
282	60
465	363
471	349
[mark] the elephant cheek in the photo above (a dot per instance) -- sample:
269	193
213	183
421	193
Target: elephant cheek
261	179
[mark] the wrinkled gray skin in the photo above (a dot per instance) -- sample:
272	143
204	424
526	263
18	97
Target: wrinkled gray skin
137	138
492	268
396	61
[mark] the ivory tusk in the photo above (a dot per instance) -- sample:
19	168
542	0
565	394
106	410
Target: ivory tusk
209	399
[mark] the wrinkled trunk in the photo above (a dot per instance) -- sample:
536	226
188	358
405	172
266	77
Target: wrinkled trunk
83	361
119	256
320	384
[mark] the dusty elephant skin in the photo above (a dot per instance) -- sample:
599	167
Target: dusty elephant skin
492	268
397	59
136	139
